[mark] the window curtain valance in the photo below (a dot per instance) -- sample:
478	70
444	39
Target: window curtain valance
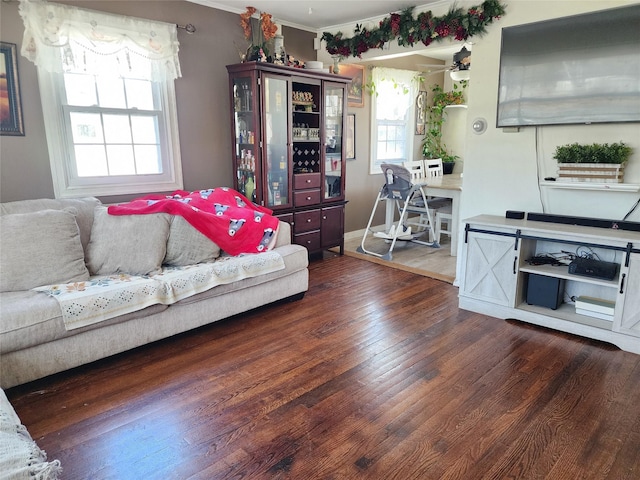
62	38
402	85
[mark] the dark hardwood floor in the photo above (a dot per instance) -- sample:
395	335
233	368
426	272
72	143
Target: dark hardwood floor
375	374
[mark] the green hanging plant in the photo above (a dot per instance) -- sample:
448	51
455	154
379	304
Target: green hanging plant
432	145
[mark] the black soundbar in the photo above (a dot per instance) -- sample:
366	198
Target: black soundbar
584	221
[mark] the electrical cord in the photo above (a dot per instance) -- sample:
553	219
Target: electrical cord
554	259
631	211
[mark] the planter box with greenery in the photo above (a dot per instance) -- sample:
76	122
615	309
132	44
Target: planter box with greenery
597	163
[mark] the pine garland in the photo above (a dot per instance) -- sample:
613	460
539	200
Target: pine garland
409	30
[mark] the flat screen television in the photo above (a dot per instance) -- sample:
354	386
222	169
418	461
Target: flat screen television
579	69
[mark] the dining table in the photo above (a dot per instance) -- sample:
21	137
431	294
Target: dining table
443	186
448	186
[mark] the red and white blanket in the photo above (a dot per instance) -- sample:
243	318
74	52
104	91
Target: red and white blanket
222	214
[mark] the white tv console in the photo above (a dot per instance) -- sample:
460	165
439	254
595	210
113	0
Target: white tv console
494	275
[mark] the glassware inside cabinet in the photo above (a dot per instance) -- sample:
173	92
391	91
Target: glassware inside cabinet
276	117
334	121
245	134
307	154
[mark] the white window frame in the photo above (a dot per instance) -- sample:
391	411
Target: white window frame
404	79
67	185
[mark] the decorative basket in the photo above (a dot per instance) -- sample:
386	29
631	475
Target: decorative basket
591	172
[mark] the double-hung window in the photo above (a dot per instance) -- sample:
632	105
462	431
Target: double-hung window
392	116
108	99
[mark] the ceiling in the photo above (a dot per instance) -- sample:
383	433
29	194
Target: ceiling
317	15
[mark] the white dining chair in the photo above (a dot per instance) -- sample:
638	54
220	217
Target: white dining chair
416	169
433	167
442	207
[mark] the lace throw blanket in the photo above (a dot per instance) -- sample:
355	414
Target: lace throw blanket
20	456
103	297
222	214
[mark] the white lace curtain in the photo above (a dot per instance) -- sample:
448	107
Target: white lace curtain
401	85
61	38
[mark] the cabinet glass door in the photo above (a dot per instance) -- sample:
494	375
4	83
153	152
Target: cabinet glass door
245	120
276	148
334	140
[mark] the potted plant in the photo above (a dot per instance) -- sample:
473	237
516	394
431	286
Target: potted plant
432	145
601	163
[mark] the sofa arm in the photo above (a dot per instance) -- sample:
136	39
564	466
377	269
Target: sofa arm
284	235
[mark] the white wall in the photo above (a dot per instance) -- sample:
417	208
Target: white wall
502	170
454	131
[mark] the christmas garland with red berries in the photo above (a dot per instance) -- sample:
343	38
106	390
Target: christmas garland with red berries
409	30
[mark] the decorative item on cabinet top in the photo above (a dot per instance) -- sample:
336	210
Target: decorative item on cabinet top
304	99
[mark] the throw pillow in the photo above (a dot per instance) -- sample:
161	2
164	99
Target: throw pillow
40	248
133	244
84	206
187	246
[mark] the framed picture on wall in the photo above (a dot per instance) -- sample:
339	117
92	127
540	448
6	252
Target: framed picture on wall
10	106
355	91
421	113
350	143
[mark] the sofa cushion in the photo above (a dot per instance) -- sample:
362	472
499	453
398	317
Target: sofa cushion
295	259
84	207
134	244
40	248
187	246
31	318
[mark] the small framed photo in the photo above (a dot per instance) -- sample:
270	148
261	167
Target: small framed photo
350	143
421	113
10	104
355	91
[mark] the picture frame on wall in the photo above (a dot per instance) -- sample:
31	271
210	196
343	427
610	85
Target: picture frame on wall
355	91
421	113
350	137
11	122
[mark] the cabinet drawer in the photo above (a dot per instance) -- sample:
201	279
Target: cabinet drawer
306	197
311	240
306	221
286	217
302	181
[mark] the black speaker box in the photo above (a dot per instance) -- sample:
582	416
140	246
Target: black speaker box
545	291
515	214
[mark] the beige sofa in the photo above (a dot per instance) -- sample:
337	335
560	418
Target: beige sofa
69	245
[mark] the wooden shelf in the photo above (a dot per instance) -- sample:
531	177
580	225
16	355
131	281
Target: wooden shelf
567	312
563	272
605	187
